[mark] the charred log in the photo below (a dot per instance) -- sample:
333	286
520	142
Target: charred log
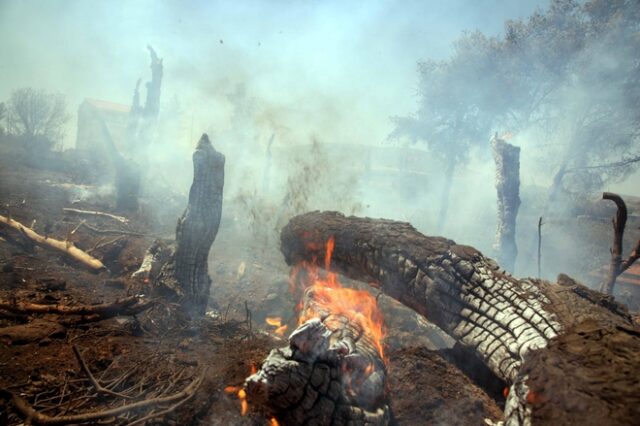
331	373
506	321
507	158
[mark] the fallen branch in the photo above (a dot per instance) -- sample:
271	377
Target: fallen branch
67	247
95	230
36	417
120	219
127	306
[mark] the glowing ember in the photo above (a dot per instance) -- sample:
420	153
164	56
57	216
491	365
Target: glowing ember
358	306
280	330
274	321
244	407
273	422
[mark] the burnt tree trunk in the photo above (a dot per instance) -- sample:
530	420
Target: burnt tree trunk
127	184
619	223
331	373
507	158
197	228
127	174
552	344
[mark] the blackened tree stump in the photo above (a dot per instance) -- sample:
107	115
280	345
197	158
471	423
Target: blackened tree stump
186	274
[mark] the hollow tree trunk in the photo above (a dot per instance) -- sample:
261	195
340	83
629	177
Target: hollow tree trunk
331	373
500	318
507	158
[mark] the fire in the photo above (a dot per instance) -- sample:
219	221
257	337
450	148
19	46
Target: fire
359	306
274	321
244	406
273	422
277	323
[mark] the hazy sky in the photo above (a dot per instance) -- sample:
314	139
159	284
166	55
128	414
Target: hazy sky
333	69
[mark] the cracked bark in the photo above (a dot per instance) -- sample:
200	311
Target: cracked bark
503	320
186	274
330	374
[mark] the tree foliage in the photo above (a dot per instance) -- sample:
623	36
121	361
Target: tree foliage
567	77
37	115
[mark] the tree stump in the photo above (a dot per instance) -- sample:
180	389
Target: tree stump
186	274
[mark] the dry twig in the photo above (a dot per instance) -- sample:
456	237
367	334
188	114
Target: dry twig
120	219
37	417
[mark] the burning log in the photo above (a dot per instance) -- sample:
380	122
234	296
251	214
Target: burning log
186	274
332	372
507	158
66	247
517	327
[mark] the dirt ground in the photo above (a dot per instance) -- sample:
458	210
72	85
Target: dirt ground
37	360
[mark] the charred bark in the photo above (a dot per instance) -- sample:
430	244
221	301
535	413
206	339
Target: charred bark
619	223
197	229
331	373
505	321
507	158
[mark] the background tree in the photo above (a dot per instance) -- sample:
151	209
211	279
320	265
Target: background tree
566	78
448	119
3	113
36	115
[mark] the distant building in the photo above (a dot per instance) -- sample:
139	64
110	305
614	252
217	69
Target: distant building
91	136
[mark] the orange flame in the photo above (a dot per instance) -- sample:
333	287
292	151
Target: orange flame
277	322
244	406
280	330
273	422
359	306
274	321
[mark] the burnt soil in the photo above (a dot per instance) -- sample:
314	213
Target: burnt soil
37	360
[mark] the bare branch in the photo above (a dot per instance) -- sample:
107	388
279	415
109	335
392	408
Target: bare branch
66	247
36	417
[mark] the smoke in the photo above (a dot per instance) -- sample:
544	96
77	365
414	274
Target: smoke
288	91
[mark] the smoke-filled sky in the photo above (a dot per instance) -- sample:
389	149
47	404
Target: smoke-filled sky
335	70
